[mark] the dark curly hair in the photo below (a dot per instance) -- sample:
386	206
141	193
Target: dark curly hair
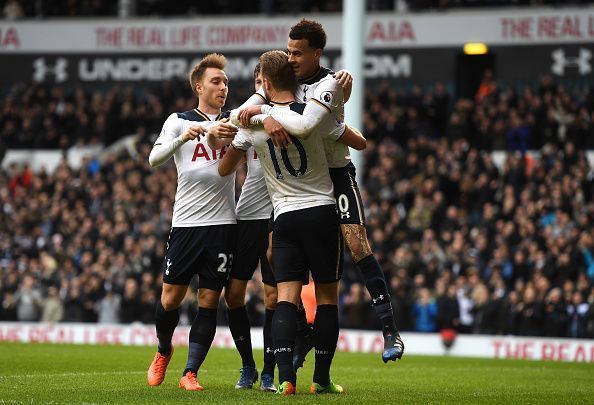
310	30
256	71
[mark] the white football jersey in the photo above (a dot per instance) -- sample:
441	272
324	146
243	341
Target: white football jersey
203	197
324	89
254	200
296	177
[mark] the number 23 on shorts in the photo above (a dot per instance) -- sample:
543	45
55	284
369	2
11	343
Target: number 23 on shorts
226	262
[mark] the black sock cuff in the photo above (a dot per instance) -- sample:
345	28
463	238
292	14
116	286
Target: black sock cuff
370	268
326	308
236	311
286	304
367	260
207	312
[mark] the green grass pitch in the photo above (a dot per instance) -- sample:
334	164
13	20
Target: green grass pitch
40	373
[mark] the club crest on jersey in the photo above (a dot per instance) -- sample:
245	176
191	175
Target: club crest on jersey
326	97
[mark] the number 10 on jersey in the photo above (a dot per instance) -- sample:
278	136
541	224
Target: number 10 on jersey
295	172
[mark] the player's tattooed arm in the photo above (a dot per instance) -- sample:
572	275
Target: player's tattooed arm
355	237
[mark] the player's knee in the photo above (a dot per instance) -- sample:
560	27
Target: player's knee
170	302
234	299
327	293
235	293
208	298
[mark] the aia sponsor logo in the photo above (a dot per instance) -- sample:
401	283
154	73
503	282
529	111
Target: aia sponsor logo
204	153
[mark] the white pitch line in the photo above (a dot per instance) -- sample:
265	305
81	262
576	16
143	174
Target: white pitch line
98	373
71	374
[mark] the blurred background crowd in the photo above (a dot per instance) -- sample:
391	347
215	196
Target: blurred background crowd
466	242
17	9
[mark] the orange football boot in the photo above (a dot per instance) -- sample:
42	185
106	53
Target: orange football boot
156	372
190	383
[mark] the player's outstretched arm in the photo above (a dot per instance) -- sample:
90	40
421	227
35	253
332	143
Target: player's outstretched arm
170	140
354	138
229	163
251	117
245	116
327	97
299	125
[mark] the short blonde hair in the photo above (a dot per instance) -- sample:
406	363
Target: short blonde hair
212	60
275	67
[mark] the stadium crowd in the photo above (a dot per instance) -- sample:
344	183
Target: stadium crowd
17	9
465	244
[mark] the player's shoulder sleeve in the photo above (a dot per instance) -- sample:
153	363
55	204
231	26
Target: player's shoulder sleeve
329	93
243	139
172	128
193	115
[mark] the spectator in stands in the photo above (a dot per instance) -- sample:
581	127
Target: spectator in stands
485	311
425	312
52	306
448	311
8	311
355	308
530	314
148	300
28	300
487	87
555	314
73	305
577	312
402	303
108	308
131	307
590	316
